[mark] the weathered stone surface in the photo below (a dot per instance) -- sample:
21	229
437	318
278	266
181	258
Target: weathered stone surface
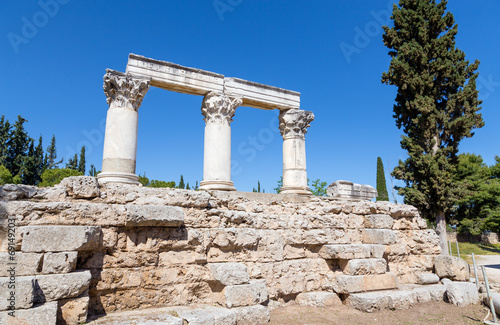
74	238
364	266
73	310
347	252
60	286
10	192
25	263
196	316
361	283
85	187
452	267
159	316
222	316
24	292
45	314
252	315
229	273
318	299
379	236
396	299
379	221
350	190
462	293
427	278
246	294
154	215
63	262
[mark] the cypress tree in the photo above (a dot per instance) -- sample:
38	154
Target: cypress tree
18	144
73	163
52	154
81	163
381	184
436	103
4	137
181	183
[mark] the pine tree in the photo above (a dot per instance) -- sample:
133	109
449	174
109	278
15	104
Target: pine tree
381	185
4	137
73	163
28	169
436	103
18	144
181	183
81	164
52	154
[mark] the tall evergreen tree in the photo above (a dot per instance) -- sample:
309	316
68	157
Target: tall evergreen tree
381	184
181	183
18	144
436	103
52	154
196	186
4	137
73	163
81	163
28	169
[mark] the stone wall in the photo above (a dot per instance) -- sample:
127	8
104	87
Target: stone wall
120	247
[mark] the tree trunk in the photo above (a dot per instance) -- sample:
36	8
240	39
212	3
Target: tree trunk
441	231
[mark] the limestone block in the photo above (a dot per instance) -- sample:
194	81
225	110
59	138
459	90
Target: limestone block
379	236
364	266
60	286
360	283
10	192
154	215
462	293
73	310
318	299
427	278
60	238
24	292
196	316
246	294
252	315
451	267
45	314
379	221
346	252
25	263
81	187
222	316
346	189
229	273
63	262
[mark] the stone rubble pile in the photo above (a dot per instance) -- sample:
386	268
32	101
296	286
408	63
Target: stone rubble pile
83	250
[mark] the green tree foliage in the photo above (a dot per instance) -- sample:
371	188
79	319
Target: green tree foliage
436	103
318	187
72	163
81	163
51	177
5	176
143	180
181	183
196	187
18	144
52	154
156	183
478	192
187	186
381	184
4	138
257	190
277	189
94	172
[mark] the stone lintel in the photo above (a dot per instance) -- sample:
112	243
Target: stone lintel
174	77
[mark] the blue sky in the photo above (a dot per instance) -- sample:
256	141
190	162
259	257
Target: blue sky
53	55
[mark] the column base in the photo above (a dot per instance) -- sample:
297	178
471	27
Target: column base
296	190
123	178
217	185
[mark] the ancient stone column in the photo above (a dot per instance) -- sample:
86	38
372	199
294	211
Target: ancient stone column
218	111
124	95
293	127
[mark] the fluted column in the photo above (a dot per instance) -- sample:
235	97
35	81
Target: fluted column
124	95
293	127
218	111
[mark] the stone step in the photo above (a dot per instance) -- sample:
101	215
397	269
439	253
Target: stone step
352	251
196	315
361	283
403	298
364	266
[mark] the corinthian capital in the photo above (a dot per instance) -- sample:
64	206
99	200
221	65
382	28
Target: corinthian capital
219	108
125	90
294	123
